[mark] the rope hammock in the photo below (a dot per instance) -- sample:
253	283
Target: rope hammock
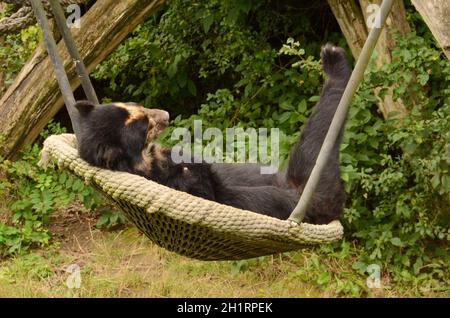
178	221
186	224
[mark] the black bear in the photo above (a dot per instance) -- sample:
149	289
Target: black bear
118	137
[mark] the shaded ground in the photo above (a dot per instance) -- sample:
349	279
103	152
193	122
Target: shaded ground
72	226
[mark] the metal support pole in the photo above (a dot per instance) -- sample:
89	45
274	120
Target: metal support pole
341	114
60	73
81	70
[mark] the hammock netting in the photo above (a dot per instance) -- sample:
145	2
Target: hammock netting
186	224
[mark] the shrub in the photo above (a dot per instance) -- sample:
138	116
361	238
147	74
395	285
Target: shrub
29	195
398	171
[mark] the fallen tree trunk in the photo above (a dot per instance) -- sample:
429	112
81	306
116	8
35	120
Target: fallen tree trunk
352	16
351	21
436	14
396	22
2	39
34	97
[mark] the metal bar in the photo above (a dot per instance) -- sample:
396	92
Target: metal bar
80	68
341	114
60	73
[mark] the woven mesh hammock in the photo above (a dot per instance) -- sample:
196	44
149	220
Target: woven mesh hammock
186	224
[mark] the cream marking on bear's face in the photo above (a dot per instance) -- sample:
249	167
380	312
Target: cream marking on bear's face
145	165
151	155
134	112
158	119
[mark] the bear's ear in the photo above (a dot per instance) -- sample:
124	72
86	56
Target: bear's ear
84	107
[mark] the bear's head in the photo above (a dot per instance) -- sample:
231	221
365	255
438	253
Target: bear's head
114	136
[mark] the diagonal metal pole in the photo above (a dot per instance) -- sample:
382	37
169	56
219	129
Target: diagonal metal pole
60	72
81	70
341	114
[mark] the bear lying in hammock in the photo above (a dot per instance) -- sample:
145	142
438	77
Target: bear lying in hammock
118	136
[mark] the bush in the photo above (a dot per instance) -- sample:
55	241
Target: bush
15	51
29	195
398	171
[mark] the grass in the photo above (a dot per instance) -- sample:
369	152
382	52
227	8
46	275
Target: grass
126	264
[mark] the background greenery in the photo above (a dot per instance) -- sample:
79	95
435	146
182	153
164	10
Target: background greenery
255	64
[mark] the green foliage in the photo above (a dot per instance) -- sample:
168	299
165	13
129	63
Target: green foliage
398	171
15	50
197	48
111	219
30	194
344	282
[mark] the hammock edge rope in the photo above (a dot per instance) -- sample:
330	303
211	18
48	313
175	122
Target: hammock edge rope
155	208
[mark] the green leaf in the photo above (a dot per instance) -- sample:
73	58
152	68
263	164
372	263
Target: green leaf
207	22
182	79
286	106
396	241
418	265
345	177
423	78
446	183
192	88
302	106
323	278
314	99
114	218
232	16
360	267
284	117
435	181
103	220
173	68
62	178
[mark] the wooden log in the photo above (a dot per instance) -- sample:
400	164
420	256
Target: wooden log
2	39
436	14
351	21
352	16
34	97
396	22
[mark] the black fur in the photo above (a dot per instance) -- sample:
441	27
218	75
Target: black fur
329	198
107	142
